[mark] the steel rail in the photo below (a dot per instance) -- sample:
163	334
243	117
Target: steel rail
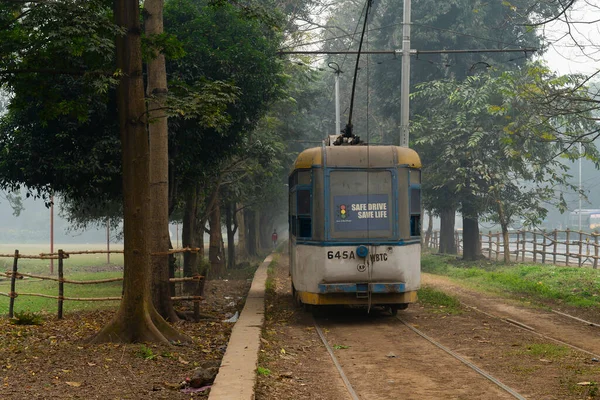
531	330
577	319
464	361
335	361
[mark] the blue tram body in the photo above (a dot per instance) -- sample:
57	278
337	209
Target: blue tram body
355	225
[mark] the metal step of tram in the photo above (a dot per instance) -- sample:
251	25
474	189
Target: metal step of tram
362	290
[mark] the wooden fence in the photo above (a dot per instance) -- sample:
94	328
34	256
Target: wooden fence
61	256
554	247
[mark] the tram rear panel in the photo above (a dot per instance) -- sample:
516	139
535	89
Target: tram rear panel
355	225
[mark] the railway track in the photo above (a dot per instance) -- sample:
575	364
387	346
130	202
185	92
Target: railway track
510	392
355	394
540	334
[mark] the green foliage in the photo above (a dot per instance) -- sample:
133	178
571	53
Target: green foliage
340	347
263	371
440	300
547	350
145	352
579	287
504	156
26	318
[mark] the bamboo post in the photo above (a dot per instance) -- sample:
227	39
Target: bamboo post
554	248
199	287
534	246
61	283
595	249
435	244
517	250
544	246
497	245
524	246
580	252
13	279
568	245
489	245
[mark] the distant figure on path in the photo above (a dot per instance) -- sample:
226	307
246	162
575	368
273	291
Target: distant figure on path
274	238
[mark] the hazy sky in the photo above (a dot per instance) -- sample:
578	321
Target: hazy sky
575	47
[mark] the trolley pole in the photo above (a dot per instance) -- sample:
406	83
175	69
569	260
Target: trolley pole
338	127
405	80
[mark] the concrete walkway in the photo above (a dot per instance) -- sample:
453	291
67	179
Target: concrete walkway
237	376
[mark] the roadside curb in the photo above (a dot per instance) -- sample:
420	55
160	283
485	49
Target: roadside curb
237	375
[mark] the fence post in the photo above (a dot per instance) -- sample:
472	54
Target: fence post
544	247
517	250
199	286
579	256
61	283
596	249
489	245
13	279
554	249
524	246
435	244
497	245
568	246
534	246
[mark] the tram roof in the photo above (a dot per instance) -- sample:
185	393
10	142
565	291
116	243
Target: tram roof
356	156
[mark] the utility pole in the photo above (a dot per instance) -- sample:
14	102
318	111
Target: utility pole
108	240
338	71
52	233
580	195
405	80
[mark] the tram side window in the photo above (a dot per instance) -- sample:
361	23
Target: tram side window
304	224
301	204
415	211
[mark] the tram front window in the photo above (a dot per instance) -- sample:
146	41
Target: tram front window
362	204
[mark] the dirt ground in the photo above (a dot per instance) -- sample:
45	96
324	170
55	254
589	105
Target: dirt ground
52	361
383	359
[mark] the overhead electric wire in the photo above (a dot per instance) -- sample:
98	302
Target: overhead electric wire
400	24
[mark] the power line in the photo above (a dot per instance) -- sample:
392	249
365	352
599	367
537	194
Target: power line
414	52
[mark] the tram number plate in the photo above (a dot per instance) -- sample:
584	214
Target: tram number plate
341	255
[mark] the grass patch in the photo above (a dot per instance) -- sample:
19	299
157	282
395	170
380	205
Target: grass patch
26	318
547	350
145	352
270	283
579	287
263	371
340	346
37	304
440	300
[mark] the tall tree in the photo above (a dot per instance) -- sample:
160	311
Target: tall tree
159	163
502	153
136	320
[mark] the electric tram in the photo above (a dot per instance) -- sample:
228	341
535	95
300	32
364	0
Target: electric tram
355	225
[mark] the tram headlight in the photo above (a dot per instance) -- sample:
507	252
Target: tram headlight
362	251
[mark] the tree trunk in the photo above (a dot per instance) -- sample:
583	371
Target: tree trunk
504	225
241	229
136	319
265	229
159	166
215	253
230	220
189	236
447	243
471	239
252	237
429	231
